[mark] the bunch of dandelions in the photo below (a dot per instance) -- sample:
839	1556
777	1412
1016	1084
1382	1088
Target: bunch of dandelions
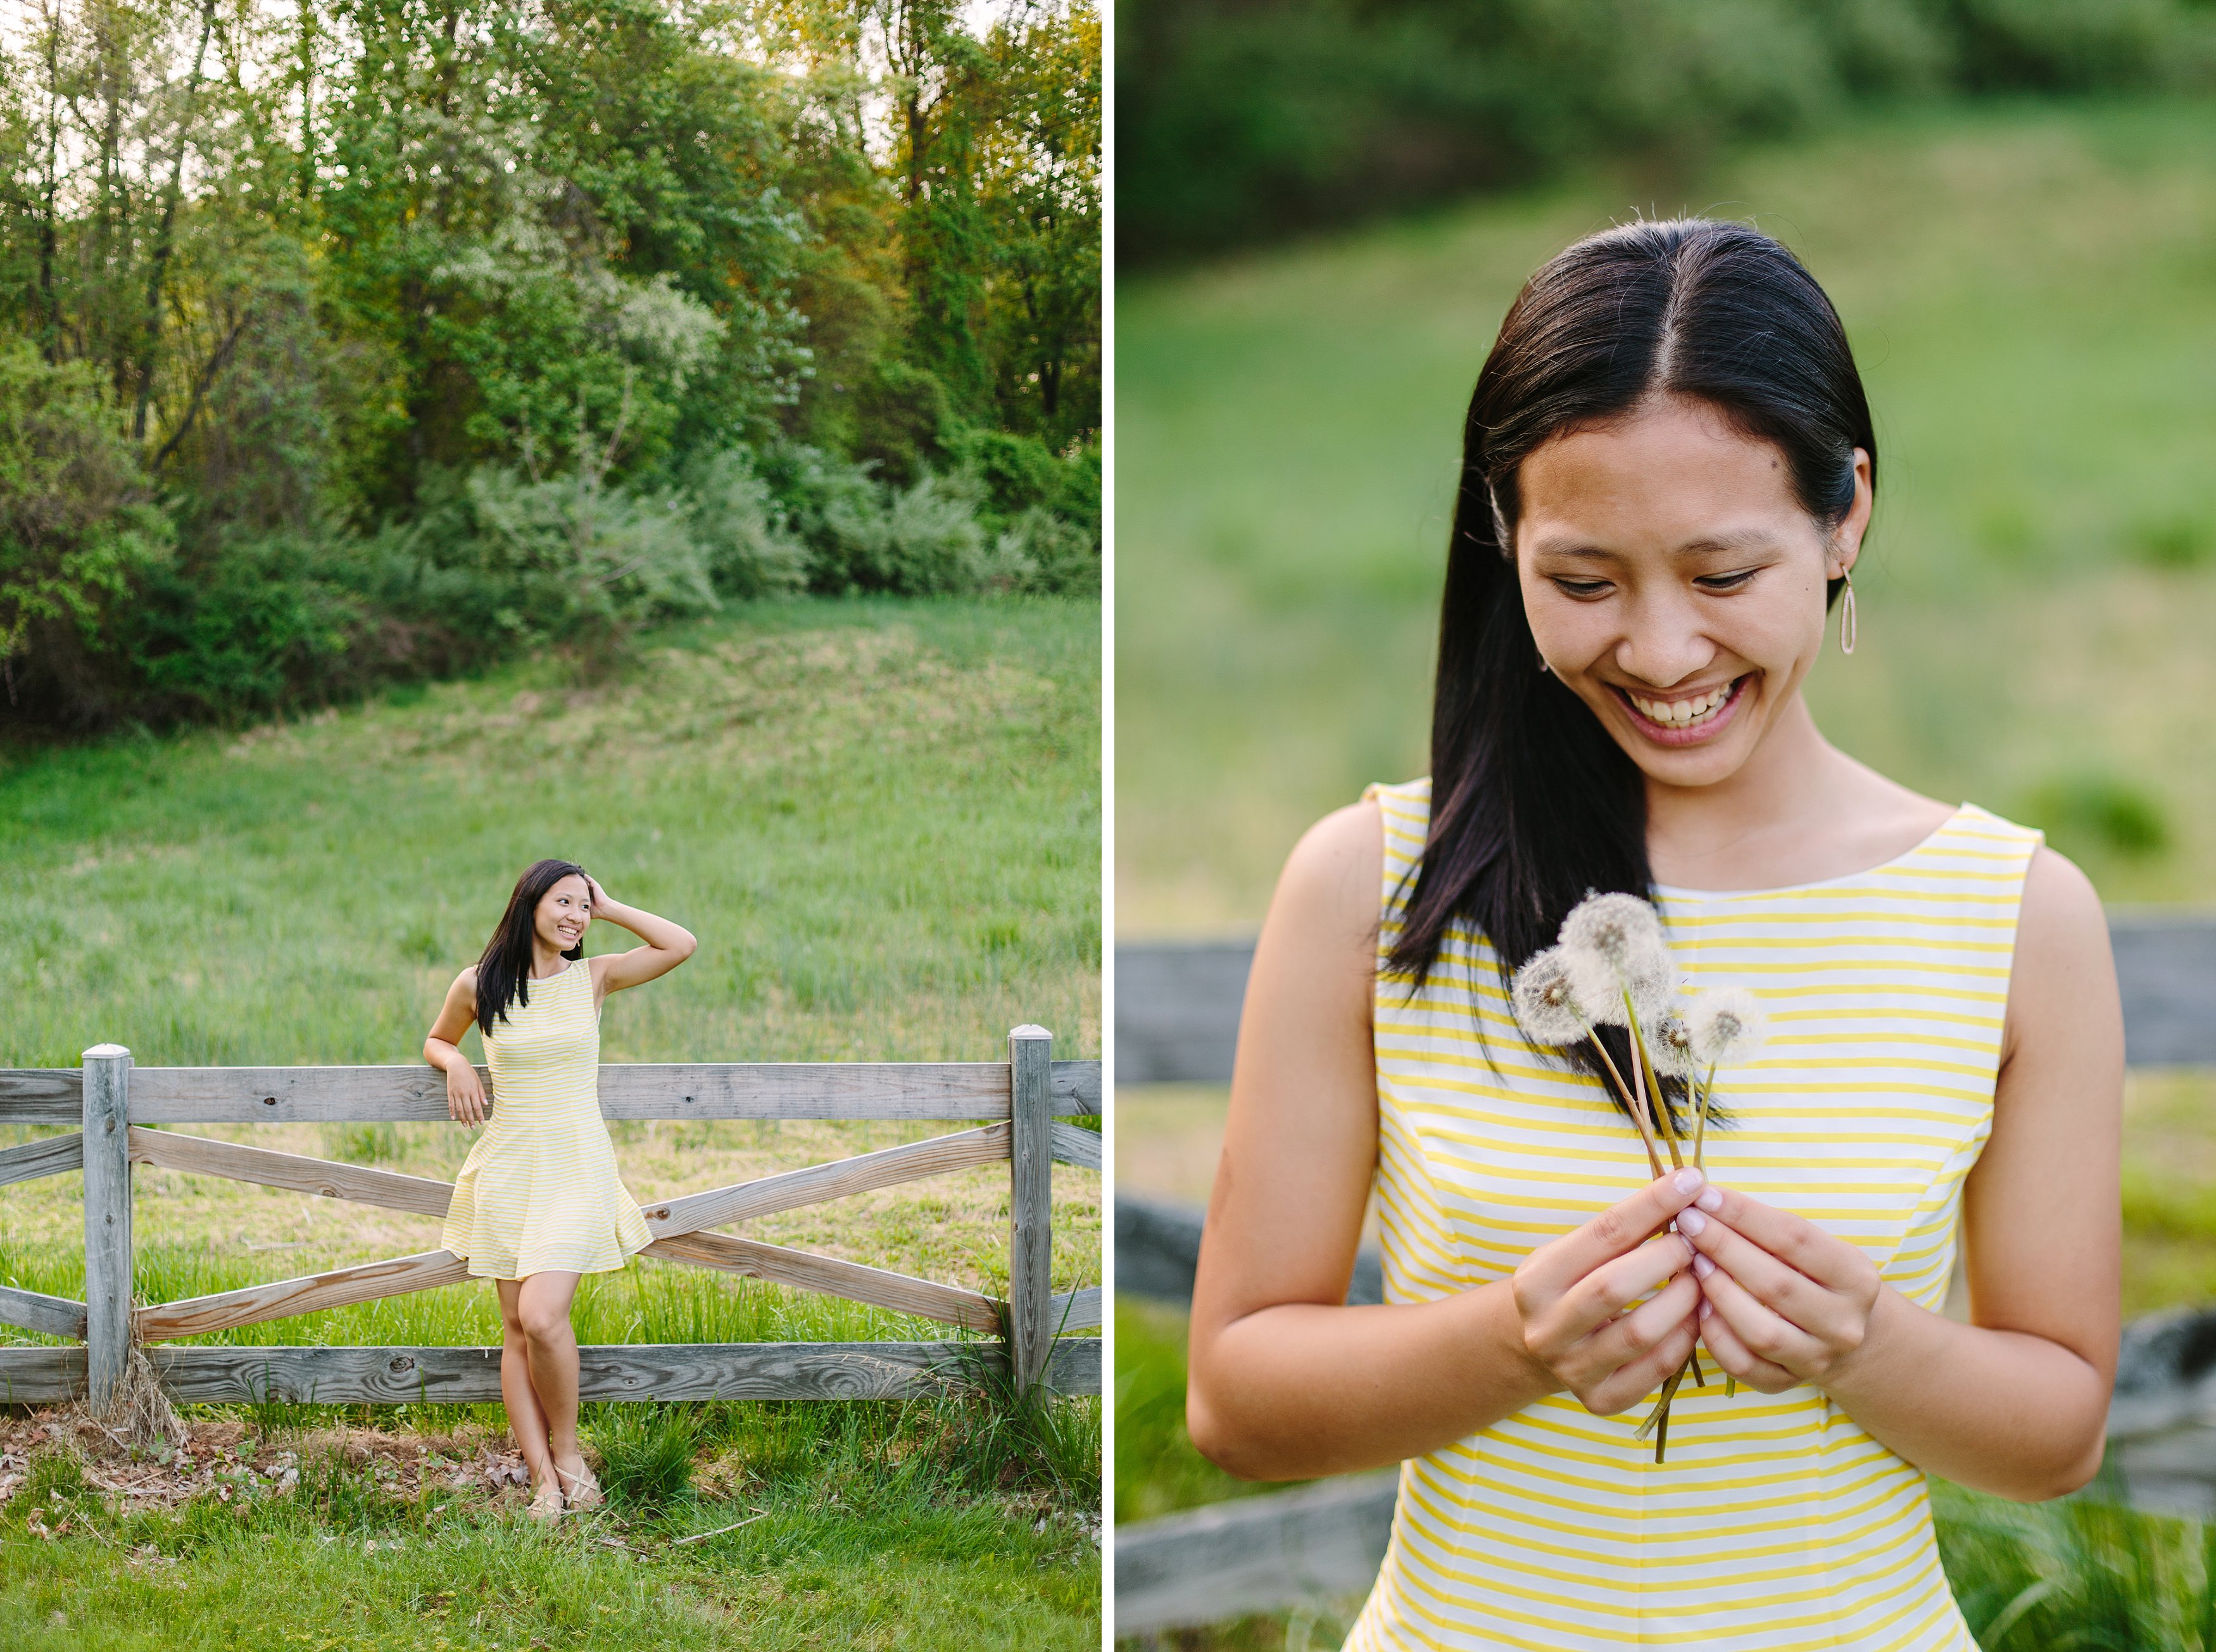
1611	967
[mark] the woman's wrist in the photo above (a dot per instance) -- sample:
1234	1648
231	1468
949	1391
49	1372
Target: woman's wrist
1893	1323
1519	1377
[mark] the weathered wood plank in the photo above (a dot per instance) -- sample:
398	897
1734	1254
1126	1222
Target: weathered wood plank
845	1090
1178	1005
1075	1310
1031	1202
281	1298
790	1189
949	1304
836	1089
1157	1247
1252	1554
733	1370
105	1141
2166	971
1076	1089
198	1155
1177	1011
41	1375
34	1311
50	1157
1073	1145
41	1095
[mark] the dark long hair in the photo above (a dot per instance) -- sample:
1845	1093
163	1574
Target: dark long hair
504	970
1533	804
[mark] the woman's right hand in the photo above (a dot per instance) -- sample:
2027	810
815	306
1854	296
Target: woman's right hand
1573	1294
465	1096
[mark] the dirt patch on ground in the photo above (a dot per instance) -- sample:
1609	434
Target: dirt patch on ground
221	1458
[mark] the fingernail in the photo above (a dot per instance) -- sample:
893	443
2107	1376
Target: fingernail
1707	1308
1703	1267
1690	1223
1688	1179
1711	1200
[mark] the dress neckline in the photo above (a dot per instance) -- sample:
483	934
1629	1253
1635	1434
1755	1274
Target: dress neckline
1677	892
541	980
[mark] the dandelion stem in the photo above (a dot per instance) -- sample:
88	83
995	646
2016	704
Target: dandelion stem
1635	1108
1642	1076
1700	1117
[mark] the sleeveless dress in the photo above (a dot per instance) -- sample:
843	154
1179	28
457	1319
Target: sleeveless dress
539	1189
1775	1524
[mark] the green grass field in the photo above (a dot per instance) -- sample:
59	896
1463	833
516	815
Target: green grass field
2031	297
882	821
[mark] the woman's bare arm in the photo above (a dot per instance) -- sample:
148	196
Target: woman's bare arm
667	944
442	1048
1286	1380
2014	1403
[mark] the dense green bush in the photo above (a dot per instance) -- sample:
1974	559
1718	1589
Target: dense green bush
1241	120
495	560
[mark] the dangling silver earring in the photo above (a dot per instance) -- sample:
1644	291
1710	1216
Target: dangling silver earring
1847	614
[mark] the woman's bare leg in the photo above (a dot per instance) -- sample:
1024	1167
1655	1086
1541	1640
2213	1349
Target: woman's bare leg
543	1305
526	1417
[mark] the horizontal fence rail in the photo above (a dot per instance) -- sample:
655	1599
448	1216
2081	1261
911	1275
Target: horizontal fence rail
1178	1004
117	1109
949	1090
626	1370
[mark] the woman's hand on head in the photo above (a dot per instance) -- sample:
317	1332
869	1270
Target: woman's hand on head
1576	1295
1782	1301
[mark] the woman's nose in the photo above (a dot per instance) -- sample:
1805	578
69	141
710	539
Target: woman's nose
1664	646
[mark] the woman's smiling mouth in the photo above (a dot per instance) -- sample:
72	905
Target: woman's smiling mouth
1683	720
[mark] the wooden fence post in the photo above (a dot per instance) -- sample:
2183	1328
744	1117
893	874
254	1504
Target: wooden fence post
1030	1204
107	1222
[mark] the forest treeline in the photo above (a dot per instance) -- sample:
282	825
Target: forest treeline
349	340
1241	120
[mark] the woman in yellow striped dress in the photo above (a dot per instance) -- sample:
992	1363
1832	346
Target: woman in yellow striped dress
538	1200
1668	469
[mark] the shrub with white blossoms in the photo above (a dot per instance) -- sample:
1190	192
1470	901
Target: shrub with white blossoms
1611	967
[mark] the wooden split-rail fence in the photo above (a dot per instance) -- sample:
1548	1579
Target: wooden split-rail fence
125	1115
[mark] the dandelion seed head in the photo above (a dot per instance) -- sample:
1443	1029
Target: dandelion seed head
1671	1042
1544	995
1622	928
1727	1026
1614	944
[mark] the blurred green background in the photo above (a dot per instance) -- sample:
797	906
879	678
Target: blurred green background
2030	285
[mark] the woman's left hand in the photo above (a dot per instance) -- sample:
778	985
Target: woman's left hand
1783	1302
596	894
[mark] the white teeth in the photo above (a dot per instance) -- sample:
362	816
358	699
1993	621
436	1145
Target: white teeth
1678	713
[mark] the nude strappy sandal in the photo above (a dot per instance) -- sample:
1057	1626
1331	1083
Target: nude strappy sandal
588	1493
546	1501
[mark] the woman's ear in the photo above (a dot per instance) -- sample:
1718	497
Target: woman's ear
1845	548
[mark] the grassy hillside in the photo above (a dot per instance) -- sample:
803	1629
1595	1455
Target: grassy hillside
2032	295
881	819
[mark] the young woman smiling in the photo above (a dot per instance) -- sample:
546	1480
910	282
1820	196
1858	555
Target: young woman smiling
538	1201
1668	470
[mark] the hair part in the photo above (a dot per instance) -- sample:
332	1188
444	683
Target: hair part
1534	805
504	968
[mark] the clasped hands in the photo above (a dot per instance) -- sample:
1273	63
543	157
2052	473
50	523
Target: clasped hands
1610	1309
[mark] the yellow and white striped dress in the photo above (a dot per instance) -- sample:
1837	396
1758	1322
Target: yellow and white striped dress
1776	1524
539	1189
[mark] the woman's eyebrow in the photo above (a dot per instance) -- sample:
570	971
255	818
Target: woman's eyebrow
1746	538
